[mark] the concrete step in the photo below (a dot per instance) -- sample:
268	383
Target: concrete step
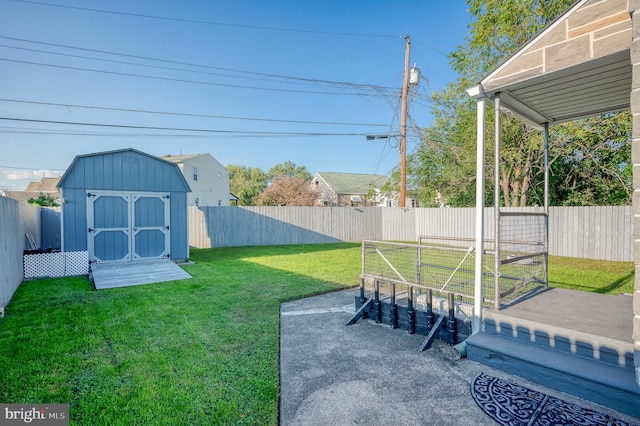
590	378
604	349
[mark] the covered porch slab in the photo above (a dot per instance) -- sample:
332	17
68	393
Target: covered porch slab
599	315
124	274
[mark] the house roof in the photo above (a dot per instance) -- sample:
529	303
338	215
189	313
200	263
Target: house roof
352	183
180	158
46	184
577	67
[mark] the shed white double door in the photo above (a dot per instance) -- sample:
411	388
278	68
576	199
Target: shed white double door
127	225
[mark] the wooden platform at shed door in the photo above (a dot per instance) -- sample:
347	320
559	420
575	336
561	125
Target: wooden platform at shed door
124	274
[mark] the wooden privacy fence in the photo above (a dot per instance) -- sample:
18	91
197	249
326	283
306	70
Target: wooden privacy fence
589	232
16	220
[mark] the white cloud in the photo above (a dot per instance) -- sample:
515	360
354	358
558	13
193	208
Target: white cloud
18	179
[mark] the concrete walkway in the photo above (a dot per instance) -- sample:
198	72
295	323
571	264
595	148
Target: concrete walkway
331	374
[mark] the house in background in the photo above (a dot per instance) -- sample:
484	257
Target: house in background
124	205
350	190
207	178
46	186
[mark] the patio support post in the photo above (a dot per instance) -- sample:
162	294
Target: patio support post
634	10
546	168
496	211
481	105
546	204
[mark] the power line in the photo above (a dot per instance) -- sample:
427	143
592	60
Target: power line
137	135
196	21
31	168
148	58
122	62
271	120
430	48
124	126
284	78
235	25
156	136
369	89
235	86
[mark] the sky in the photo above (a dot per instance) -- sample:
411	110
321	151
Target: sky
253	83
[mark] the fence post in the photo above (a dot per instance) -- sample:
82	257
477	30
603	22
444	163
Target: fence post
377	304
411	313
451	323
394	307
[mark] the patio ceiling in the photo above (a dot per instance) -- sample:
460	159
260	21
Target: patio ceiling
595	87
577	67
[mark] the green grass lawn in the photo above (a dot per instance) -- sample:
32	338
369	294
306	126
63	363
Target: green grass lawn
598	276
199	351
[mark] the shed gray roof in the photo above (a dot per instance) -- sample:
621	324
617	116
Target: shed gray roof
179	180
352	183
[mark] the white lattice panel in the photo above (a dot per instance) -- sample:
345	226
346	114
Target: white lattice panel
44	265
62	264
77	263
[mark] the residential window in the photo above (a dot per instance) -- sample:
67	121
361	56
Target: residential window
195	173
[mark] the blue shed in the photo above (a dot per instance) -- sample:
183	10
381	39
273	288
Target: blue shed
124	205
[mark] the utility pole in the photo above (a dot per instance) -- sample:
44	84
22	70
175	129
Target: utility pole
403	125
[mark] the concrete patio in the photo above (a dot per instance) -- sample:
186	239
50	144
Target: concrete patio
370	374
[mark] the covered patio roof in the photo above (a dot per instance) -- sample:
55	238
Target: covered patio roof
577	67
584	63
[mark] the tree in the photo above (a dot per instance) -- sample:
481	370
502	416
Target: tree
443	166
498	29
592	162
290	169
246	183
288	191
596	150
43	200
